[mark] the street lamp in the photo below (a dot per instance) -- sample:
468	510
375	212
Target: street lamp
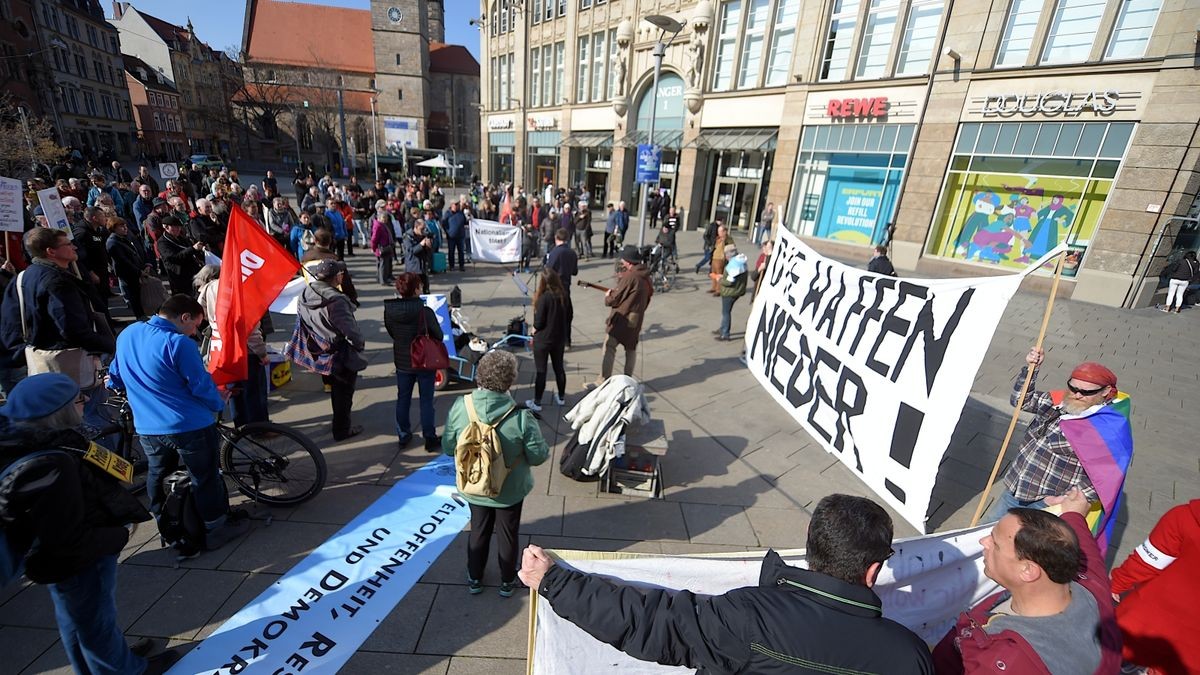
375	134
666	25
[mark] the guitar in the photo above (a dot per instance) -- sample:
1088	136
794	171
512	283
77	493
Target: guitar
589	284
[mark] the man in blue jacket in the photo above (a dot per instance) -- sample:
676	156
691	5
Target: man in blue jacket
174	404
456	232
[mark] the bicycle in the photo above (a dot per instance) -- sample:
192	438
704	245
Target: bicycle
663	269
269	463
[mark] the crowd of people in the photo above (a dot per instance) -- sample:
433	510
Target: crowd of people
125	236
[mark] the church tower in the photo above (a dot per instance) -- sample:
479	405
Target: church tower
435	12
400	33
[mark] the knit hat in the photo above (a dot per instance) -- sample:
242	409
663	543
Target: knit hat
328	269
1095	373
39	395
631	254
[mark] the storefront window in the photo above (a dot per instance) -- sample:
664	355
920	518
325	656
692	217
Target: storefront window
846	181
1014	191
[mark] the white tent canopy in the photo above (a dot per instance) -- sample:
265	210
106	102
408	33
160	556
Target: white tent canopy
438	162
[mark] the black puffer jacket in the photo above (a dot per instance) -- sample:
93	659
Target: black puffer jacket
795	621
400	318
67	511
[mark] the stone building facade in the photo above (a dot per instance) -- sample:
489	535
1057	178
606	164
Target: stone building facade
157	112
88	100
971	136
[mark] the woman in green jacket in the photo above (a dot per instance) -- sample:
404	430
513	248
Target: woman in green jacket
523	445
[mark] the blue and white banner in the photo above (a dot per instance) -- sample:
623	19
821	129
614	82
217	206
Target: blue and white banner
317	615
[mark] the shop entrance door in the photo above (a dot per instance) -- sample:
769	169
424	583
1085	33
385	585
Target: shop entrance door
544	172
734	202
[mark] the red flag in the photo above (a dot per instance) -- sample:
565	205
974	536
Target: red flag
256	268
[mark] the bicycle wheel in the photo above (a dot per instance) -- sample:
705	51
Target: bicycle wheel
273	463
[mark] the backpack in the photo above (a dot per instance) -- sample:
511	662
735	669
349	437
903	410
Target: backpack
12	555
179	523
478	457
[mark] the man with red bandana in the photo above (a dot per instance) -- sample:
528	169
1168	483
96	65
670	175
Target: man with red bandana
1046	465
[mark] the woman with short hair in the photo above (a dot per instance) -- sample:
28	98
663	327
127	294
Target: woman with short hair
523	446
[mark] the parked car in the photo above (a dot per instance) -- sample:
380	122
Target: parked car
207	162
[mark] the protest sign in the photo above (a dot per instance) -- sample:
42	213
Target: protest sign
52	208
924	586
875	368
317	615
12	205
493	242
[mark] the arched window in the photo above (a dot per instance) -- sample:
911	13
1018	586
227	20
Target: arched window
362	144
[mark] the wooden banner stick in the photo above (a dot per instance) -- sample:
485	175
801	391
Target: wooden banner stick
1012	423
533	603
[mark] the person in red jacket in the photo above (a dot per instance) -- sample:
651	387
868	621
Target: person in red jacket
1160	582
1055	614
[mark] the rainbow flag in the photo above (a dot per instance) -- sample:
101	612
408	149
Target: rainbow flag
1103	441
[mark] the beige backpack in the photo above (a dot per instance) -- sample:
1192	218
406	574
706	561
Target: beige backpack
478	456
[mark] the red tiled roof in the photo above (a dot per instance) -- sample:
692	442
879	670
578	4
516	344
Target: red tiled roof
454	59
302	34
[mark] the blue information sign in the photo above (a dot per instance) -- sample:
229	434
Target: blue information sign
649	159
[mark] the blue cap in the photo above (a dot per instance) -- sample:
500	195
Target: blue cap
38	211
39	395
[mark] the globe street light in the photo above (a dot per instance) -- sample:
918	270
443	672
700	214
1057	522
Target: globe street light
666	25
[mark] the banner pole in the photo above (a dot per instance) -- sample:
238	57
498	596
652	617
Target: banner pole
1012	423
533	596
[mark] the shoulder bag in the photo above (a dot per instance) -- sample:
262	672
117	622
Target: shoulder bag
426	353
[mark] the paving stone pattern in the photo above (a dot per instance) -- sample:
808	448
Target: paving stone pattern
739	474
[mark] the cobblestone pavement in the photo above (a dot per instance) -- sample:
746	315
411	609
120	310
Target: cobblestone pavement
739	473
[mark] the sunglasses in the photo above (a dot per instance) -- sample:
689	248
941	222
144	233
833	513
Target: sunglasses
1085	392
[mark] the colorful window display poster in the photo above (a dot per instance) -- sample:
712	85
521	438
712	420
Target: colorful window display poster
1010	220
854	204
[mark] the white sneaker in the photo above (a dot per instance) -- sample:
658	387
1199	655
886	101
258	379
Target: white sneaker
558	400
533	405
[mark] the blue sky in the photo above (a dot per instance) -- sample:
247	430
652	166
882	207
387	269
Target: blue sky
219	22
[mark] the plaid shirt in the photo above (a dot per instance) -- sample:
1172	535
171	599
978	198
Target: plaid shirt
1046	464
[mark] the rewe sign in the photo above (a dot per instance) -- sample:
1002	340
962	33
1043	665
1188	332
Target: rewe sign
844	108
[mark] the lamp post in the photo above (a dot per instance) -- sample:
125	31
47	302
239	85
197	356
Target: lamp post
665	25
375	135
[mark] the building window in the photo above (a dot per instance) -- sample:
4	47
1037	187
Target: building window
535	12
535	77
548	9
113	48
1072	31
783	38
840	39
548	76
505	79
1017	40
106	102
585	4
599	51
504	14
560	56
495	88
399	94
157	122
399	60
920	37
562	7
877	38
91	35
731	16
1015	190
581	74
80	66
1135	23
89	103
847	180
753	40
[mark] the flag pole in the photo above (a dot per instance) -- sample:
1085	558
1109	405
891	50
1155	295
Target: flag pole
1012	423
533	597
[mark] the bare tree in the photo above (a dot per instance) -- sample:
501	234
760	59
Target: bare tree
25	141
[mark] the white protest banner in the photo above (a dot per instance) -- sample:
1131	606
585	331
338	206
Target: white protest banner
493	242
52	208
924	586
12	206
313	618
875	368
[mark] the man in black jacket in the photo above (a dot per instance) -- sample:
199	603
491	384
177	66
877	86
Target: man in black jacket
825	619
181	257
